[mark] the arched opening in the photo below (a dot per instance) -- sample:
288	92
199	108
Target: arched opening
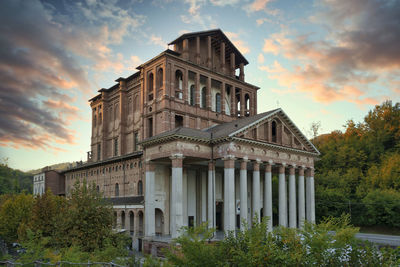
203	97
218	102
178	84
247	104
115	220
238	105
116	190
131	223
160	79
273	131
159	222
140	214
150	86
191	95
140	188
123	220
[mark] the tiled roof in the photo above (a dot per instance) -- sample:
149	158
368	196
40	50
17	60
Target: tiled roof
228	128
137	200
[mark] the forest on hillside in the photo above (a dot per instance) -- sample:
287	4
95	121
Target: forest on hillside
14	181
359	170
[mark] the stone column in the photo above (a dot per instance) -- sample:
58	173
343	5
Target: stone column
211	195
233	64
209	63
209	95
149	207
310	197
268	194
301	200
256	190
222	57
282	196
243	191
233	101
198	50
292	197
223	98
229	194
203	197
176	205
241	75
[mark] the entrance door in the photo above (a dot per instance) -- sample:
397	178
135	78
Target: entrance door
218	215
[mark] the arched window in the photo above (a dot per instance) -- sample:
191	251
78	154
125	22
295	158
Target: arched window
273	131
123	219
116	190
203	97
160	78
238	105
178	84
218	102
150	86
191	95
247	104
131	222
140	188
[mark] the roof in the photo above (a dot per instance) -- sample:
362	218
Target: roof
217	37
227	130
126	200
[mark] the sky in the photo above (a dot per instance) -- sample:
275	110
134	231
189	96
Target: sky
324	61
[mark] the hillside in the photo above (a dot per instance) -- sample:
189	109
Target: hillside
14	181
359	169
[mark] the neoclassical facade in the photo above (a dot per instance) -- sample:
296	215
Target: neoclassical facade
180	142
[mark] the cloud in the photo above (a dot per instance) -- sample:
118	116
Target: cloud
195	17
360	50
157	40
260	5
260	58
223	3
45	53
239	43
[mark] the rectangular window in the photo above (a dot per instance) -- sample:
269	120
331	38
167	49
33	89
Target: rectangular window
116	146
178	121
150	127
98	152
135	141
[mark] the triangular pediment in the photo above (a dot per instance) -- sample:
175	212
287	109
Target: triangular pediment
275	128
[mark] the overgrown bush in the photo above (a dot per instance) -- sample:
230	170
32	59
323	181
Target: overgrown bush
330	243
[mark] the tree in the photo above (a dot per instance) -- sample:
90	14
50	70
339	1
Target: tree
15	212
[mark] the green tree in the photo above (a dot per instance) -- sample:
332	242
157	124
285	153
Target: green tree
15	212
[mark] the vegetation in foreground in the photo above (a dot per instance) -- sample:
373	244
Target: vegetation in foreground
51	228
315	245
14	181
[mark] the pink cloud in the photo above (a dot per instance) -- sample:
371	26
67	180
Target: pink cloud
239	43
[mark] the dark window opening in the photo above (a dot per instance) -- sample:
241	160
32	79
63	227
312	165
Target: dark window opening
191	95
203	97
116	146
140	188
116	190
218	102
178	121
191	221
273	130
178	84
150	86
136	141
150	127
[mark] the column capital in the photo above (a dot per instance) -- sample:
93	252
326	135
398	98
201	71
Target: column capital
177	156
310	171
245	159
301	171
282	168
243	164
229	161
211	165
149	165
256	165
